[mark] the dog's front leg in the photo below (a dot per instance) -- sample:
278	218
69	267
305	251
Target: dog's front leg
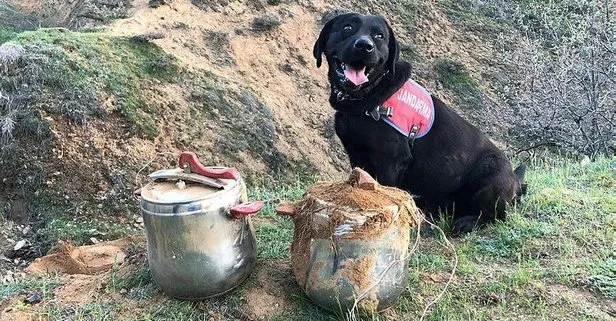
389	172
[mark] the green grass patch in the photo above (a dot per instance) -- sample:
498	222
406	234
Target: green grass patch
79	231
603	275
6	34
80	68
275	233
485	18
86	312
532	266
454	76
44	286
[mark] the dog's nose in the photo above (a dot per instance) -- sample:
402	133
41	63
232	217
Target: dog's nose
364	44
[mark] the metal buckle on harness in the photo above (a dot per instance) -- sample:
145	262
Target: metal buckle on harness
413	133
379	111
340	96
375	114
387	111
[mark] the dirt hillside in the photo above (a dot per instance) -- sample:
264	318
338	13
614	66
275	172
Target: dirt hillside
124	86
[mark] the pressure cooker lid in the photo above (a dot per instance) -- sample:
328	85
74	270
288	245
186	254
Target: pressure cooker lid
179	191
190	182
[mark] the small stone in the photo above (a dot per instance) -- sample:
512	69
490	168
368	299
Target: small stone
139	219
26	230
19	245
8	279
180	184
123	291
33	298
363	180
94	240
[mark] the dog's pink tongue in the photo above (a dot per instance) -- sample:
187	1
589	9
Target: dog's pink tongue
356	76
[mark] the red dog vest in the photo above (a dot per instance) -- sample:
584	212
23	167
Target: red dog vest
411	110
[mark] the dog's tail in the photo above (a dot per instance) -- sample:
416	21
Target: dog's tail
520	184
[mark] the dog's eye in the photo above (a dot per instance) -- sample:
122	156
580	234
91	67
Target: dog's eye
348	28
378	36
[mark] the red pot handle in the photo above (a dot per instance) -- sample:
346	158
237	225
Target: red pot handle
190	160
240	211
286	209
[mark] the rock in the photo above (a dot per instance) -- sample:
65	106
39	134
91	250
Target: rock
19	245
360	178
93	240
8	278
33	298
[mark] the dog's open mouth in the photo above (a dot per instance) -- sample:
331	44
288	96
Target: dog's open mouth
356	72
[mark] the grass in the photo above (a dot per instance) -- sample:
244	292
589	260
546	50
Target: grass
44	286
455	77
482	17
79	231
553	259
79	68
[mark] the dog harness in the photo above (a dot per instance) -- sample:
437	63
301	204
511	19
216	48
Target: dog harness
410	110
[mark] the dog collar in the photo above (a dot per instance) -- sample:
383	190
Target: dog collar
342	95
410	110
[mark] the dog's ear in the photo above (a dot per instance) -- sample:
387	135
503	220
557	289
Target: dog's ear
394	51
319	46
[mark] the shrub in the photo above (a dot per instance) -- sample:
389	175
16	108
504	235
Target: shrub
265	23
562	87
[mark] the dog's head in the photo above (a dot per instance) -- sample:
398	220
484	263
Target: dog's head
359	48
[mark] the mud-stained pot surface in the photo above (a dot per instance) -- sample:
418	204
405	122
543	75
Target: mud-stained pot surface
351	243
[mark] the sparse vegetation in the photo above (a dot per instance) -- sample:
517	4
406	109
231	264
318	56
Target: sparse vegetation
158	3
44	286
148	36
538	264
562	90
553	259
220	44
76	15
454	76
265	23
468	97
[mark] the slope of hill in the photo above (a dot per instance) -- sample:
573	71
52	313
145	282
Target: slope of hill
96	94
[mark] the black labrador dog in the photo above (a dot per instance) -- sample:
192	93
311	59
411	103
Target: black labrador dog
453	167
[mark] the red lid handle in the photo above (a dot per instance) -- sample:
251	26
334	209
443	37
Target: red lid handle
249	208
190	160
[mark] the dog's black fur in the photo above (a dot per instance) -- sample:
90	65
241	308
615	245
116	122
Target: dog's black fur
453	168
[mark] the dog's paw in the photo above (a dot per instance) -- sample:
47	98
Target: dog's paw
465	224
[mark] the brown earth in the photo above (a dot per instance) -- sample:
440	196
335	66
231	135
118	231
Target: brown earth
96	163
277	66
298	99
88	260
266	292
